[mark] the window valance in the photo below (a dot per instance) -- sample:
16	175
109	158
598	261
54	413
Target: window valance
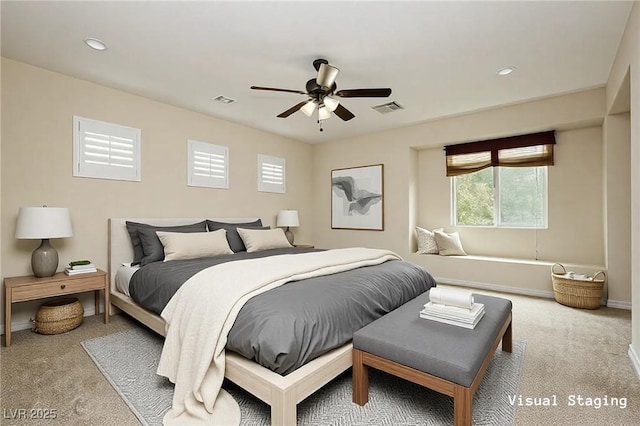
531	150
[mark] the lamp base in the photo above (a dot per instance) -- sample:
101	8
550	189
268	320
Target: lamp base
289	235
44	260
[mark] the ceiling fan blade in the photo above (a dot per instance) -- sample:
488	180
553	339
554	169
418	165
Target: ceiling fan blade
291	110
364	93
343	113
327	75
275	89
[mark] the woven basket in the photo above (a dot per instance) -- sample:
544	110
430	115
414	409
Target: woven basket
58	316
585	294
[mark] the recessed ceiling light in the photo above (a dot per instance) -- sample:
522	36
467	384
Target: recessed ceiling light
96	44
506	70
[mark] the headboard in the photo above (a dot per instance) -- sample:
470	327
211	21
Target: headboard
120	248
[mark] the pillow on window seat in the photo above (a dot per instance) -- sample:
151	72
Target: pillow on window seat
449	244
426	241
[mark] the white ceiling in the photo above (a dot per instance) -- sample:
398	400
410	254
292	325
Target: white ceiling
439	58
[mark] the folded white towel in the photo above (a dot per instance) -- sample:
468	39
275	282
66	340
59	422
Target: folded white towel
449	297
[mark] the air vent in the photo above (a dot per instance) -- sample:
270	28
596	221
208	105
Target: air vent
388	107
224	99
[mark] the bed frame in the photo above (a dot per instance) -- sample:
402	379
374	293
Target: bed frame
282	393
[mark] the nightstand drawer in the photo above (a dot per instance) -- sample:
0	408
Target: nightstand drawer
58	288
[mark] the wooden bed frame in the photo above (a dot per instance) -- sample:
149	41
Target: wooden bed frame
282	393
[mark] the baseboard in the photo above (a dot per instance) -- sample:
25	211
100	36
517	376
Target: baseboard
619	304
26	324
524	291
496	287
635	360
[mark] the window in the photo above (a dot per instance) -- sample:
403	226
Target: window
208	165
271	174
105	151
509	197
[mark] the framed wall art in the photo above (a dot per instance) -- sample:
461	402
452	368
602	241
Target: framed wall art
357	198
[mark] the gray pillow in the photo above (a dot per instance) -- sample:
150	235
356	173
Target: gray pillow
235	242
149	248
132	228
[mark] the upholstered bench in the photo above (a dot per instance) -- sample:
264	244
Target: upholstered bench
446	358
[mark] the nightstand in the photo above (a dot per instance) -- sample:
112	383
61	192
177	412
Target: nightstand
21	289
304	245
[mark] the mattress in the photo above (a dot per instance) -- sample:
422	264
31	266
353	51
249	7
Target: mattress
286	327
123	277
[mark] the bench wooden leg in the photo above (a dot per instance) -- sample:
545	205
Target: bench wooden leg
360	379
507	340
462	400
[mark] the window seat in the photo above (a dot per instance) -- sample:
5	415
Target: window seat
509	275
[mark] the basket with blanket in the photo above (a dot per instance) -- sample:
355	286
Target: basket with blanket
577	290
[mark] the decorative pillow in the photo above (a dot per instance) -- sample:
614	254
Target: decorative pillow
235	242
261	239
449	244
134	227
151	245
426	241
181	246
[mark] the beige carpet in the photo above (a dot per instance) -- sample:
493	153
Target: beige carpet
569	352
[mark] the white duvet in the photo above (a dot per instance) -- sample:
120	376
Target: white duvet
201	313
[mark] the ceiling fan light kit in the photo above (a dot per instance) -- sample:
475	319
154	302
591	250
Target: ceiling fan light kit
321	91
323	113
330	103
327	76
308	108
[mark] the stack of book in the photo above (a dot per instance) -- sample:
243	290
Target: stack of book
80	267
453	307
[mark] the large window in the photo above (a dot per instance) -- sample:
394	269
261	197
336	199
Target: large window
510	197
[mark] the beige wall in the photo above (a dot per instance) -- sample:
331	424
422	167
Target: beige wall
38	106
617	204
575	228
628	61
417	192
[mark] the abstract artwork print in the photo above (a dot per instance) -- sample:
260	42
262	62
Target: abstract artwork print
357	198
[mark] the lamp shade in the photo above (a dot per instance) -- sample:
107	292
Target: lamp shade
308	108
323	113
287	218
43	222
327	75
330	104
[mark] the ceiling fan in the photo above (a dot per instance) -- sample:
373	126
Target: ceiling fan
321	93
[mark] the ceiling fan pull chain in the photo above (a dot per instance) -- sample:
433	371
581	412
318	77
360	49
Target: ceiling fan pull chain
320	125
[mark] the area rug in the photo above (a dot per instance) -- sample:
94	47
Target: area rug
129	359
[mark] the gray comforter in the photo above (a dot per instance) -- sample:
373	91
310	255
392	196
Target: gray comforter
290	325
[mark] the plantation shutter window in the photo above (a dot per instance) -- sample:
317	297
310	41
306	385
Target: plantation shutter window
271	174
208	165
105	151
531	150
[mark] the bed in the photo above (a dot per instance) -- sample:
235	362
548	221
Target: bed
281	392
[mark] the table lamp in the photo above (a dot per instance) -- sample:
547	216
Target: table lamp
43	223
288	218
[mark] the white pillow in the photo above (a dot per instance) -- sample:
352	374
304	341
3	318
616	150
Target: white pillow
426	241
263	239
191	245
449	244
